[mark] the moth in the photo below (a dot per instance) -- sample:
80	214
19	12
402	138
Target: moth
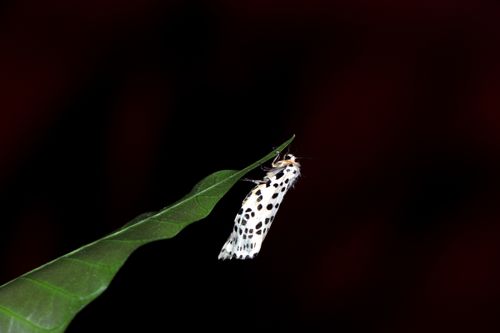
259	209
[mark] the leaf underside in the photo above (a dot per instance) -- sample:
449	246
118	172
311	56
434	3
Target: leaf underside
47	298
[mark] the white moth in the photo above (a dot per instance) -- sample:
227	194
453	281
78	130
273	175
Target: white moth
259	208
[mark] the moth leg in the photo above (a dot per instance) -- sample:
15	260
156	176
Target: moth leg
255	181
276	158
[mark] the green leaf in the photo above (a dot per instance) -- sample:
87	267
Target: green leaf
47	298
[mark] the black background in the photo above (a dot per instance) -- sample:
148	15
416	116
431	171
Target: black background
113	108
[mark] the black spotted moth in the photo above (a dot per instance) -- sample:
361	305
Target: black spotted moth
259	208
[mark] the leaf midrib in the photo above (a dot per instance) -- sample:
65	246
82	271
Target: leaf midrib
187	199
119	231
178	203
112	237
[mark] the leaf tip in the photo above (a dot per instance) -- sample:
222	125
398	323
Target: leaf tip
284	145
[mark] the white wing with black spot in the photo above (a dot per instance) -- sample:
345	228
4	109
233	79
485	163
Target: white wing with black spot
258	210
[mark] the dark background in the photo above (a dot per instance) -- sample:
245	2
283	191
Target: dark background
113	108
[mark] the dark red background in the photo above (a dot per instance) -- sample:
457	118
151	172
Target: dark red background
113	108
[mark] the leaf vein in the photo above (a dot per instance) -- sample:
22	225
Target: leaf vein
52	287
90	264
6	310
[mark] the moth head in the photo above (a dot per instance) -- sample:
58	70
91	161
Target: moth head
288	159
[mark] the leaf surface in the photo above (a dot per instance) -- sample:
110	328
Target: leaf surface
47	298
